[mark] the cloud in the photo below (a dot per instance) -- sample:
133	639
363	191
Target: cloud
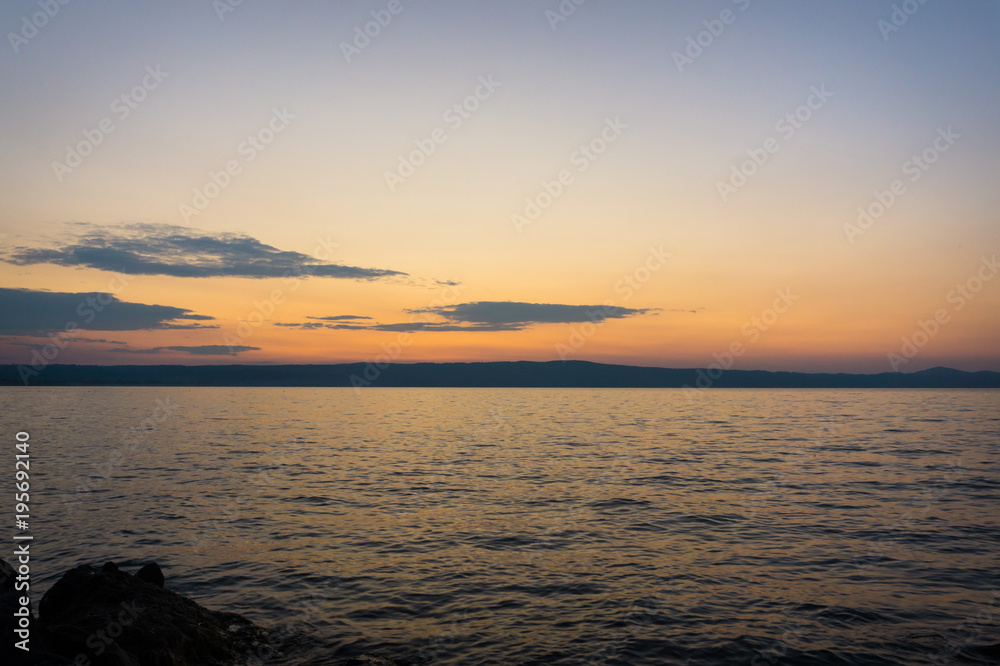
406	327
496	313
163	249
444	327
74	340
310	325
339	318
201	350
483	316
325	322
28	312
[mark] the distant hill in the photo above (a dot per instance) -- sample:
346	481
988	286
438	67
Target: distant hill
553	374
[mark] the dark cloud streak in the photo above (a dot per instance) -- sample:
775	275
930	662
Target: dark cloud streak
483	316
339	318
162	249
28	312
498	313
200	350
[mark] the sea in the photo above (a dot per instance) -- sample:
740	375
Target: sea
538	526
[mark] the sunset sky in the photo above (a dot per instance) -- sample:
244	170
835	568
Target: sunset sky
263	182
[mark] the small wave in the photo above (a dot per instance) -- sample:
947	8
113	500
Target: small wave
619	503
845	617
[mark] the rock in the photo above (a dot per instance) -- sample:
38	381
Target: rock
151	574
114	619
7	575
8	606
111	618
991	651
9	653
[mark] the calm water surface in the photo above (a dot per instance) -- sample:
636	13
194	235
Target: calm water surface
482	526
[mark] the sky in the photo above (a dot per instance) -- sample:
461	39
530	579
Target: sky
780	185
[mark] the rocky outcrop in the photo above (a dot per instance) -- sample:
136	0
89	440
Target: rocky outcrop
9	653
116	619
108	617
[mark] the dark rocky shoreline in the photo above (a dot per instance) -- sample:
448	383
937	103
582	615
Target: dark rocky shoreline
107	617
